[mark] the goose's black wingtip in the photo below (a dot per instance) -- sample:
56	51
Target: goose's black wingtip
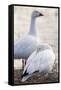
25	74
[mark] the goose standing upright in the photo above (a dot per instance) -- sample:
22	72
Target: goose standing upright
41	61
25	46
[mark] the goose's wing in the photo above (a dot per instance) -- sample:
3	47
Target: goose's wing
32	64
40	61
25	46
46	60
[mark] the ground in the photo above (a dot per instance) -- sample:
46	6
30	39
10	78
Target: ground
52	77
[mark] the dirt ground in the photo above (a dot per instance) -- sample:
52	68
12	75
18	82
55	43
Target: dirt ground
51	78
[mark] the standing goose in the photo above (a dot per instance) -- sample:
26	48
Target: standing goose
25	46
41	61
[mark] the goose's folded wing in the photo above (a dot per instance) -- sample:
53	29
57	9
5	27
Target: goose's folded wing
31	63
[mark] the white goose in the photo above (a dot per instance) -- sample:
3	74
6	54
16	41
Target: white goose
25	46
41	60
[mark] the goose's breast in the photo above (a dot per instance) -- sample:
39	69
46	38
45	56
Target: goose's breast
25	47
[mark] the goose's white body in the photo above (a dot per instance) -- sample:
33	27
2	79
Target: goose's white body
40	60
25	46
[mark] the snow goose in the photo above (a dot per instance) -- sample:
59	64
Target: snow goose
41	60
25	46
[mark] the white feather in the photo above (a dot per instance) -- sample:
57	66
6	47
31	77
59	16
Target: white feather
42	60
25	46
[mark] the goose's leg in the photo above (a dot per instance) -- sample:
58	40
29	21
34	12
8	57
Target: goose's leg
23	63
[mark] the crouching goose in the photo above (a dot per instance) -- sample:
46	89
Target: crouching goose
25	46
41	60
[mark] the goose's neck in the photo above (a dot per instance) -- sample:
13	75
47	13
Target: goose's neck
32	27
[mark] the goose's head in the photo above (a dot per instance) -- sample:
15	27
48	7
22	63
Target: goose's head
36	14
43	47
